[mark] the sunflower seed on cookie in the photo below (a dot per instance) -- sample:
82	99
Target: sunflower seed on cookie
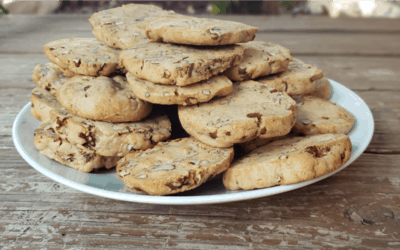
173	167
102	98
187	95
110	139
251	111
260	59
318	116
60	150
83	56
299	79
181	29
48	77
178	65
124	27
288	161
42	102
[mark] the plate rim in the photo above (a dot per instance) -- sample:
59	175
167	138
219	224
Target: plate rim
186	200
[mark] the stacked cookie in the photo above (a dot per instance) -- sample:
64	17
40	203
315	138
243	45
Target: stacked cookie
229	91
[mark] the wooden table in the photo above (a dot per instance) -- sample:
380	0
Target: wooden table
358	208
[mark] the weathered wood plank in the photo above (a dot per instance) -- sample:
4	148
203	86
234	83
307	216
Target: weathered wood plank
357	73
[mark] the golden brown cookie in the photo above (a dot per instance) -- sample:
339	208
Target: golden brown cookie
42	102
48	77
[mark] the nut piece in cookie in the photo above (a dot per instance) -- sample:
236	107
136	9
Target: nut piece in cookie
52	146
252	110
288	161
178	65
48	76
260	59
83	56
299	79
199	31
124	27
173	167
102	98
42	103
187	95
111	139
318	116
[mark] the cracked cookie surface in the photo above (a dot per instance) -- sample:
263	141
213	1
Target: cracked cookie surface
299	79
60	150
288	161
252	110
49	76
124	27
318	116
42	103
173	167
178	65
187	95
102	98
260	59
181	29
110	139
83	56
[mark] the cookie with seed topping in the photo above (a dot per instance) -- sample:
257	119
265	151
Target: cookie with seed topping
52	146
251	111
260	59
110	139
299	79
187	95
83	56
102	98
318	116
181	29
42	102
173	167
178	65
124	27
288	161
49	76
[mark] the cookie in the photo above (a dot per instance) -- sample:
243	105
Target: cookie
124	27
102	98
178	65
251	111
318	116
323	89
288	161
173	167
110	139
246	147
48	77
83	56
52	146
260	59
198	31
187	95
42	102
299	79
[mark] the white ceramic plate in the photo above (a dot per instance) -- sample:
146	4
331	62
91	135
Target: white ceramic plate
107	184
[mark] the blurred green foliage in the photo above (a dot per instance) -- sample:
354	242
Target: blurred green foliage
288	4
3	10
219	7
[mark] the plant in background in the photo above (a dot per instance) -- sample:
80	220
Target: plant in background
219	7
288	5
3	10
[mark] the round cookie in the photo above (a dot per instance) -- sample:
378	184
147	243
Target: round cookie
288	161
42	102
110	139
260	59
52	146
198	31
173	167
124	27
251	111
299	79
323	89
178	65
187	95
48	77
102	99
318	116
83	56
